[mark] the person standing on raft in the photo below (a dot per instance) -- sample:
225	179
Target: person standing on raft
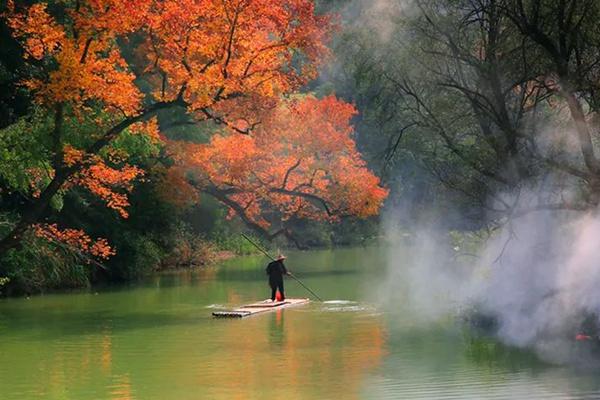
276	270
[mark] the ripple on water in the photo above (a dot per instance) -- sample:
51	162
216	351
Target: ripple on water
340	302
346	306
216	306
462	382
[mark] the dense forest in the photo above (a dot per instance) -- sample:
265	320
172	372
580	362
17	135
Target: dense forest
148	135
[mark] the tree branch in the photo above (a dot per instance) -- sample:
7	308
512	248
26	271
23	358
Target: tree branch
288	172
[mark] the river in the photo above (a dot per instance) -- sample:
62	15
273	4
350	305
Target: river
157	340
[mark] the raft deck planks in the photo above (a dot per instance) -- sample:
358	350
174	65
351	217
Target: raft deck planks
257	308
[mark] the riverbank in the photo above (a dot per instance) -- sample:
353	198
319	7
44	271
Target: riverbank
43	268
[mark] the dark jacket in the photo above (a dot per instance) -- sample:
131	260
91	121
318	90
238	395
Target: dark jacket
276	270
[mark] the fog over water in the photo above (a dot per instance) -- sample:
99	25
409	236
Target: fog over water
537	275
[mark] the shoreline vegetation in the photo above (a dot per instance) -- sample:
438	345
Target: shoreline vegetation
190	252
48	267
61	269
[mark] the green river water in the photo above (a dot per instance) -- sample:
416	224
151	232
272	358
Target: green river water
157	340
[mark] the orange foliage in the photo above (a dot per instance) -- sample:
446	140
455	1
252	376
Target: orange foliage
75	239
37	177
102	181
90	67
149	128
72	156
174	188
302	161
43	36
228	48
212	52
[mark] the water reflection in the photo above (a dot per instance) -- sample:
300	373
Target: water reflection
276	332
289	352
121	389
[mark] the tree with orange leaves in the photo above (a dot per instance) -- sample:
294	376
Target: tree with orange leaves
301	161
225	61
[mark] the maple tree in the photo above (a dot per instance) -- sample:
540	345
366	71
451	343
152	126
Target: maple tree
227	62
301	161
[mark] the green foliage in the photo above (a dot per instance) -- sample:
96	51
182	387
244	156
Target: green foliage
178	126
39	265
354	231
237	244
139	148
314	234
3	281
137	255
23	148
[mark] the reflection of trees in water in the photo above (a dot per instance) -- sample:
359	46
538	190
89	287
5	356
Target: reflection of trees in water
121	388
486	351
233	297
184	277
299	355
65	372
276	329
106	357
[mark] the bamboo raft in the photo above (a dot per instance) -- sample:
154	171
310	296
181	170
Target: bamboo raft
259	307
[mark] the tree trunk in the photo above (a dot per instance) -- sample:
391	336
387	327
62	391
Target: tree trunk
34	212
583	133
